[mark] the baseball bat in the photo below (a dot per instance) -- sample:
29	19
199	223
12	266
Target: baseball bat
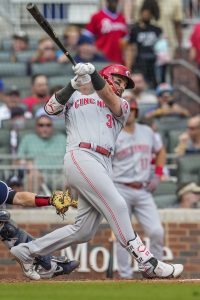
44	24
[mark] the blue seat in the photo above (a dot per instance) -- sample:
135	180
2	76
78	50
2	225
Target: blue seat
12	69
51	69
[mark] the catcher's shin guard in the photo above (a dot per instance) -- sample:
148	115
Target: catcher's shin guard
12	236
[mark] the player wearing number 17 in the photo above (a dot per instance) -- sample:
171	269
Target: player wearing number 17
93	122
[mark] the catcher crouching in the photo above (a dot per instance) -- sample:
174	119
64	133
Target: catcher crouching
11	235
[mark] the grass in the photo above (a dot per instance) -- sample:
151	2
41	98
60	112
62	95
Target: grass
99	291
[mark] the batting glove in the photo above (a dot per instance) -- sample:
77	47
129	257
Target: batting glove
153	184
83	69
78	81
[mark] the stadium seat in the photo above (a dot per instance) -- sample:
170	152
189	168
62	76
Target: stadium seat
4	141
12	69
7	44
165	194
58	80
51	69
23	82
166	124
188	168
100	65
4	56
173	139
24	56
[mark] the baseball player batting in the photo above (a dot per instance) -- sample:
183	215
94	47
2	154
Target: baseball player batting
132	176
93	123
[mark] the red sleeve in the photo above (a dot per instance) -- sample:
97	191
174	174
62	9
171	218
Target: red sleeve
91	26
193	38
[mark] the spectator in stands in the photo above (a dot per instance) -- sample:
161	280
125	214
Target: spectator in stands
143	37
40	91
20	42
12	100
86	51
45	148
70	39
46	51
189	141
188	195
167	105
170	21
194	52
109	29
141	92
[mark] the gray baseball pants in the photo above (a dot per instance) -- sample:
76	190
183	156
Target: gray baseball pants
89	174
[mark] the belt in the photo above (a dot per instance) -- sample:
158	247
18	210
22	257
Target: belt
136	185
98	149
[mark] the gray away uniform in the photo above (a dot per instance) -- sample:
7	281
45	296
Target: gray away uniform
90	173
132	163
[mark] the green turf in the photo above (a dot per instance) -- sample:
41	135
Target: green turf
99	291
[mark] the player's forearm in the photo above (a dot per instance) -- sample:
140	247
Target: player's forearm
160	158
106	93
27	199
56	103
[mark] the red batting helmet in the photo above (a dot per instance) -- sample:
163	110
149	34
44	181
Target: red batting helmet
115	69
133	105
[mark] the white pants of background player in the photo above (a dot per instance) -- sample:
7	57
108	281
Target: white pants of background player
87	172
143	206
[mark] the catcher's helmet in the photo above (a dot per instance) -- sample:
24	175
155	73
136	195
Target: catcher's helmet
133	105
115	69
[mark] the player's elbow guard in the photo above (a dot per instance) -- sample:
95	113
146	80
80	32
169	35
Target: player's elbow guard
53	107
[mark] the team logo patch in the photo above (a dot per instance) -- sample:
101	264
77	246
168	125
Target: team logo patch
125	106
142	248
128	74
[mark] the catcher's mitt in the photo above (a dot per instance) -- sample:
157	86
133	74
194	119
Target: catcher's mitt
62	201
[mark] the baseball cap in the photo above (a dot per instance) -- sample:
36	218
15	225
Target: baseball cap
84	39
13	90
14	180
164	87
191	187
21	35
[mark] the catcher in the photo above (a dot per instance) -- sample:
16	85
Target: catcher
47	266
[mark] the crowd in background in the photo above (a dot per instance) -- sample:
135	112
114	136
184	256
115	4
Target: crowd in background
145	35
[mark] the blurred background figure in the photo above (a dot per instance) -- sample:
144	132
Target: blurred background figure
12	100
20	42
171	17
86	51
109	29
167	104
143	37
41	149
188	195
194	52
70	39
40	91
189	141
46	51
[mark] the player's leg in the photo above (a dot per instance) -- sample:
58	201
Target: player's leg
47	266
91	179
147	214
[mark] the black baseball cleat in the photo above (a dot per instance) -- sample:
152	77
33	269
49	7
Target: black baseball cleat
67	267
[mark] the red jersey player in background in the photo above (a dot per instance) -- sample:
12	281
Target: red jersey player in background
109	28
